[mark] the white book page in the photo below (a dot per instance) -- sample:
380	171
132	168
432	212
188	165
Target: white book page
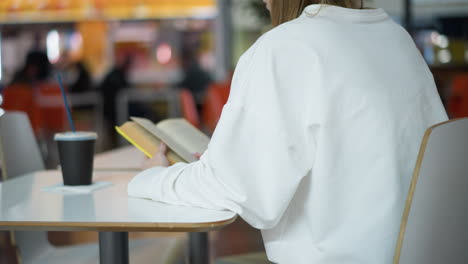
185	134
179	135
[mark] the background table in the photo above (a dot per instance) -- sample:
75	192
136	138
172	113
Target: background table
25	206
124	158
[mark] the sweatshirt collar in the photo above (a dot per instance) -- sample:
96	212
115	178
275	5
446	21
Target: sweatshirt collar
342	13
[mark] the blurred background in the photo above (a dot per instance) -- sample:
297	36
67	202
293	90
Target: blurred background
172	58
160	58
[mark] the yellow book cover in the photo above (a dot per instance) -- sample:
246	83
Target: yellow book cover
182	139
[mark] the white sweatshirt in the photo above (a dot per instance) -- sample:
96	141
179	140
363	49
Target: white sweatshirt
318	140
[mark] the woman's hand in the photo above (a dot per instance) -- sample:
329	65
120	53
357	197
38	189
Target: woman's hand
158	160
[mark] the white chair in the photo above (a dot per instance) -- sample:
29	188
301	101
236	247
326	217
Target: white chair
20	154
434	226
16	135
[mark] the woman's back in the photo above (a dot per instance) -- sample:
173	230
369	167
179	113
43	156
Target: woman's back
317	142
366	97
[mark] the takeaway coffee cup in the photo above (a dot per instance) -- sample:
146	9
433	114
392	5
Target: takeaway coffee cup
76	152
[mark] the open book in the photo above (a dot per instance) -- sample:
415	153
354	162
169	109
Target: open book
182	139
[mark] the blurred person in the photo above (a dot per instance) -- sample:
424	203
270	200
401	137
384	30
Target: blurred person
318	140
36	68
80	79
75	74
115	81
22	93
195	79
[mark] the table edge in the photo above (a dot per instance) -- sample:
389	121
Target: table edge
114	226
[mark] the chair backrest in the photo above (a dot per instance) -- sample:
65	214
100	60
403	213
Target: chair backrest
20	154
189	108
50	103
18	148
20	97
215	98
434	225
458	100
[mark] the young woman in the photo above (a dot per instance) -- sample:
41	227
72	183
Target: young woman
318	140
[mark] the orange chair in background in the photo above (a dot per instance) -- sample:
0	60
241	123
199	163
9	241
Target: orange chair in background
216	96
189	108
50	103
20	97
458	100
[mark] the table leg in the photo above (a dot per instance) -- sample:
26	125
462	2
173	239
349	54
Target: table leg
199	252
113	248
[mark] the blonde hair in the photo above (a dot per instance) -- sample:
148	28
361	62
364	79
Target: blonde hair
285	10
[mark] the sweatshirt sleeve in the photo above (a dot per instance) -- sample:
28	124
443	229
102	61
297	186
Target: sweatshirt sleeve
257	157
